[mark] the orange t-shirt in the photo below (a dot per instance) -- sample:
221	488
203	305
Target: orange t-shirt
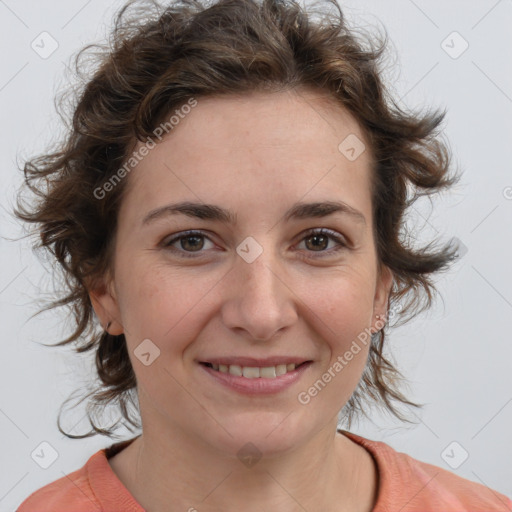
405	485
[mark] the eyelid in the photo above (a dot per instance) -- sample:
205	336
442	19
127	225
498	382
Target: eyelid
341	240
175	237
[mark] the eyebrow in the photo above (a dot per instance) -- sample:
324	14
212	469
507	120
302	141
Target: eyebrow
216	213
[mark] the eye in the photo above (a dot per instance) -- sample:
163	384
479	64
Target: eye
192	243
188	243
318	240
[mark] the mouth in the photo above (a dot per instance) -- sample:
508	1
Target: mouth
265	371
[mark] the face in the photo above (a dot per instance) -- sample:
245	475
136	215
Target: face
273	271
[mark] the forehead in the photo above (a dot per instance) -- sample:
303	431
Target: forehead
261	118
288	142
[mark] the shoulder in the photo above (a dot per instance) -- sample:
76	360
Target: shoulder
441	489
410	485
92	488
71	492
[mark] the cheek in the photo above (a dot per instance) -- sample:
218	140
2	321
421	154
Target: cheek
342	307
162	305
339	316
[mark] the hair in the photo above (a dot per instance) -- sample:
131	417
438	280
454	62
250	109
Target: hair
159	58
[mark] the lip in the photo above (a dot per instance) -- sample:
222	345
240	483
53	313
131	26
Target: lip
257	386
254	362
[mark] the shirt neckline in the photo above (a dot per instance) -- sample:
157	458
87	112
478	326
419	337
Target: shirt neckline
111	492
390	479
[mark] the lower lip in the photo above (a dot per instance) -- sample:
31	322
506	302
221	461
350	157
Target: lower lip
259	385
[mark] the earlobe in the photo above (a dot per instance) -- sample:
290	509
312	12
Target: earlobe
106	308
381	299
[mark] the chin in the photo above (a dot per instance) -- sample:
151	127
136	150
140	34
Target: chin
267	434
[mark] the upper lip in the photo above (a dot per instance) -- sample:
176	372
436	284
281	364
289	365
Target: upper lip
254	362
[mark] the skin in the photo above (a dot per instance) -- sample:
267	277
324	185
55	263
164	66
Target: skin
256	155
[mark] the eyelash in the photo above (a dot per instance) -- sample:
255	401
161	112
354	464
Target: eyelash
312	232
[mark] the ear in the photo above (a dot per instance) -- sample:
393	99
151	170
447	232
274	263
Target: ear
381	298
104	302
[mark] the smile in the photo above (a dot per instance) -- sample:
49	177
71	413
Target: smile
252	376
255	372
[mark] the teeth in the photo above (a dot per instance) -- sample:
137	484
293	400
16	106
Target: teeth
281	369
268	372
251	372
234	369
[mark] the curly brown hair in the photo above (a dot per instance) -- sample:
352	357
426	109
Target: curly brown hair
159	58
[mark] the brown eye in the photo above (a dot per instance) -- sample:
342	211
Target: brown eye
318	242
188	243
192	242
321	242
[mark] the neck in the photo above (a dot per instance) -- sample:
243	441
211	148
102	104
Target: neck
176	472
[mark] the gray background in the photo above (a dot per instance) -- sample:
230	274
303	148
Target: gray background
457	356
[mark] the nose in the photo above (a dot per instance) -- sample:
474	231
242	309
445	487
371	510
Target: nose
259	302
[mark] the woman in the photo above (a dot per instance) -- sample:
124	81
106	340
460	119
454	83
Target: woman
227	208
